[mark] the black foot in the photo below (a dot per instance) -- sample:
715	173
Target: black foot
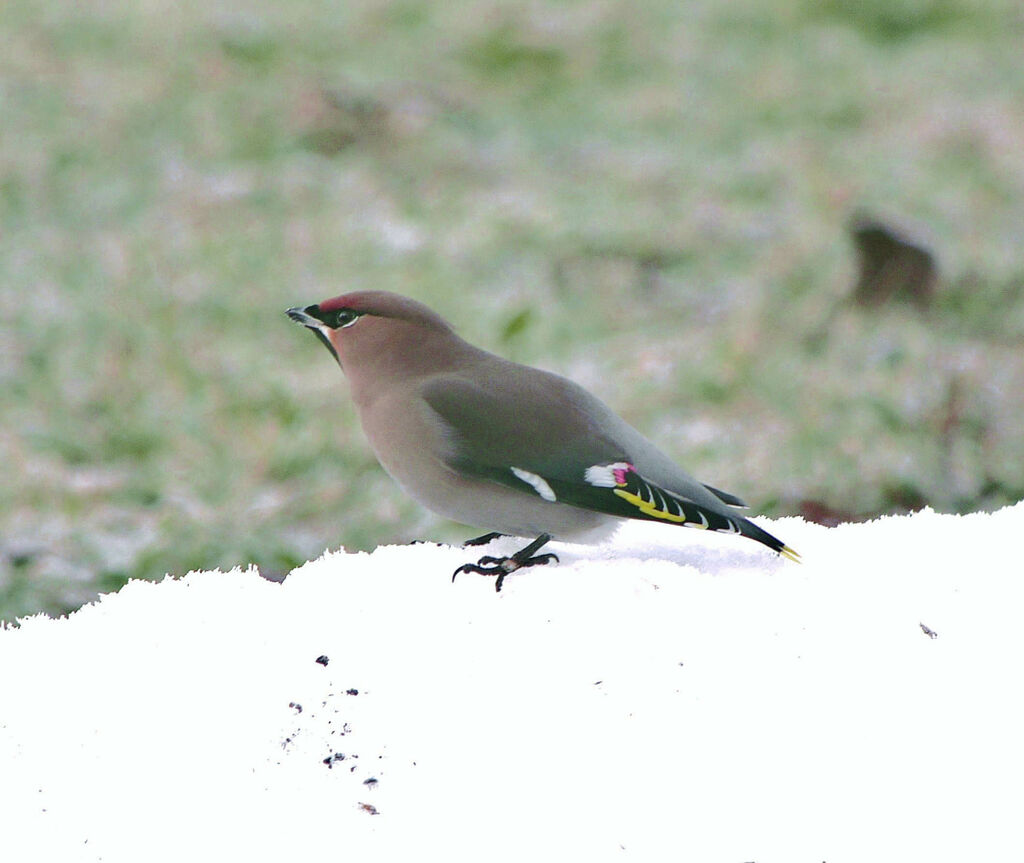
483	540
502	566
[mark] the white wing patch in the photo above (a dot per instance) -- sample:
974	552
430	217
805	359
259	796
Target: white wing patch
539	484
603	475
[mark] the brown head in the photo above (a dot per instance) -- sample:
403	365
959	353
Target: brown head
378	337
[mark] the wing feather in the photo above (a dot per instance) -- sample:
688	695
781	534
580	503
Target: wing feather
555	441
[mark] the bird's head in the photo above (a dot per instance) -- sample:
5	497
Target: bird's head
379	333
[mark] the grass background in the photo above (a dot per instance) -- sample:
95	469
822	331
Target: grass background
651	198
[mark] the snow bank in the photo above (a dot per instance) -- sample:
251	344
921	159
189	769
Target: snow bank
669	696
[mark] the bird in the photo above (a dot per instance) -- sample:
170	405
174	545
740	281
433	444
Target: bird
491	443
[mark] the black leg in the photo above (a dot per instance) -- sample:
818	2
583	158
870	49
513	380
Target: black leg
502	566
483	540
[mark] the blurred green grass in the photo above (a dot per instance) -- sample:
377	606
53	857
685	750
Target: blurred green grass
650	198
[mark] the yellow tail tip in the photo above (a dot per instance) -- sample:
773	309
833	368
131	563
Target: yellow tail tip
791	554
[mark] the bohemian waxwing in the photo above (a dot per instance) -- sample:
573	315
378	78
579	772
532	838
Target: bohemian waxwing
488	442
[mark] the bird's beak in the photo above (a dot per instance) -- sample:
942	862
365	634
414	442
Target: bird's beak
307	317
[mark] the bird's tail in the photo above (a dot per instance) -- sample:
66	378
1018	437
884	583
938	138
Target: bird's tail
750	530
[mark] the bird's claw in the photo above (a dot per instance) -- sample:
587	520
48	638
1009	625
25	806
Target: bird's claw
502	566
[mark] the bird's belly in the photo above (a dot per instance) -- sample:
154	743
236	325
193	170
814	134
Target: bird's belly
491	506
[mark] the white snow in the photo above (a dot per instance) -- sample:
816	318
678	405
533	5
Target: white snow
672	695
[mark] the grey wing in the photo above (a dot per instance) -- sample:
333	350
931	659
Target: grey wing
513	424
542	435
520	418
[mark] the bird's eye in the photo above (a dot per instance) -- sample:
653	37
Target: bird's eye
341	318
